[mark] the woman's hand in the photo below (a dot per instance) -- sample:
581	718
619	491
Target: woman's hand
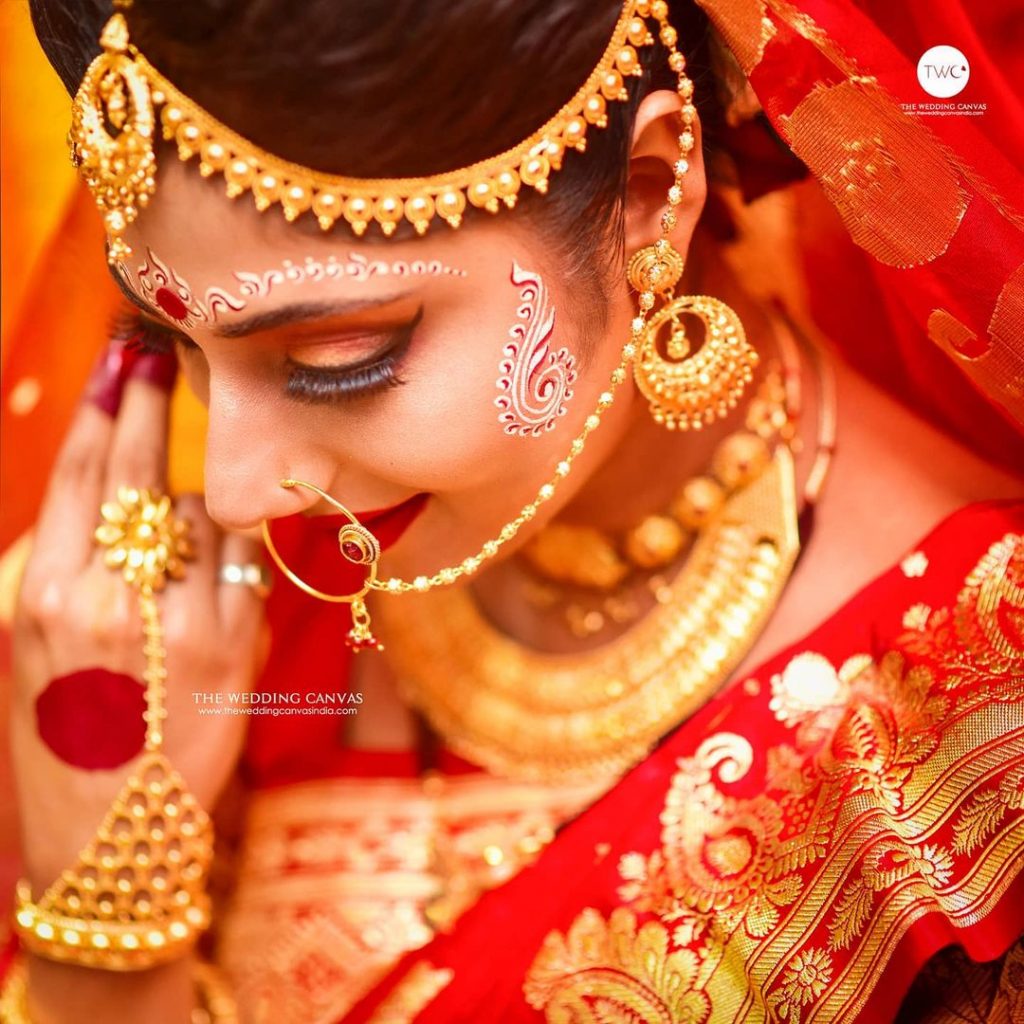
75	616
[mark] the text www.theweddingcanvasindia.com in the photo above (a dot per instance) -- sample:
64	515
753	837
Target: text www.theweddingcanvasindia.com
294	702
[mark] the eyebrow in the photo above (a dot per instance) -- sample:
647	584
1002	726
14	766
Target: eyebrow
283	316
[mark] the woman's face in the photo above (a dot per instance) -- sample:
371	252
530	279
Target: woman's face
447	375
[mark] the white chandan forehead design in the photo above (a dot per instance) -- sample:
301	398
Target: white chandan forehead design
535	382
161	286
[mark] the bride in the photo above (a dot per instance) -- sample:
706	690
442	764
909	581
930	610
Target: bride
604	601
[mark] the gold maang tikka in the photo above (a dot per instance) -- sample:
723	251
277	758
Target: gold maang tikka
124	100
113	144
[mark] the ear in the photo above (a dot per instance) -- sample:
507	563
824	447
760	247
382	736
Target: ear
653	156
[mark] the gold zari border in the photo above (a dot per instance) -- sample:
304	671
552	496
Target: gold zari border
896	795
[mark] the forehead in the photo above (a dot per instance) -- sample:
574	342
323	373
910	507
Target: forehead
193	223
200	258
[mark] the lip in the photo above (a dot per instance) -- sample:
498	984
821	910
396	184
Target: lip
386	524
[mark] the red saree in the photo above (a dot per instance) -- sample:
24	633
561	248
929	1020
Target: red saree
799	848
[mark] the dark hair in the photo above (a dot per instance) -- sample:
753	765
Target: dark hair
451	81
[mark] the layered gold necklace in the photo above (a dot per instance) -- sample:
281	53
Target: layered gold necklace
550	717
546	717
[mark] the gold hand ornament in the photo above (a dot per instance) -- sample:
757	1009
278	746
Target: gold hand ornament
135	896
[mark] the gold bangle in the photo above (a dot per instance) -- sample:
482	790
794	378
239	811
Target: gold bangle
216	1004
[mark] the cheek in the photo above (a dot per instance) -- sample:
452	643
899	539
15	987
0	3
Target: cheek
495	397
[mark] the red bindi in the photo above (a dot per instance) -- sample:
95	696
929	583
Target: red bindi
93	718
170	304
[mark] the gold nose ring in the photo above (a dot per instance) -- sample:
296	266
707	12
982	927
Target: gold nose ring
358	546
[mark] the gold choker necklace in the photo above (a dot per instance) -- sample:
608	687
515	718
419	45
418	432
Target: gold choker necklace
590	576
557	717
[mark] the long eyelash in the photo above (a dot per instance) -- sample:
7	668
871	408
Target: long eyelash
321	384
308	385
141	335
305	383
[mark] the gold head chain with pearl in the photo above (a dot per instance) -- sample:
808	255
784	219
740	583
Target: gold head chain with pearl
124	102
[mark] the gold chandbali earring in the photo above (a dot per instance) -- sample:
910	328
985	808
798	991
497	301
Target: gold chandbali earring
687	388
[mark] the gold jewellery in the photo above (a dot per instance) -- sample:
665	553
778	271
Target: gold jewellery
591	715
526	714
592	574
358	546
135	897
688	389
114	124
113	139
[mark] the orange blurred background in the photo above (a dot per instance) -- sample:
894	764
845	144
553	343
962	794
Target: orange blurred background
56	300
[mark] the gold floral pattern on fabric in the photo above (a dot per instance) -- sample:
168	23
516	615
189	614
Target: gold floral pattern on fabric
787	871
995	363
917	615
955	337
897	193
616	971
341	877
1006	329
744	25
915	565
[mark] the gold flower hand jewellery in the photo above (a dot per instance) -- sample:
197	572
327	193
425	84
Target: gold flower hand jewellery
135	897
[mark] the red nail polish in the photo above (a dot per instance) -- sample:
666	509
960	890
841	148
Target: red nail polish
159	368
106	382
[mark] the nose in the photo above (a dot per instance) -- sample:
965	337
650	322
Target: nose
250	448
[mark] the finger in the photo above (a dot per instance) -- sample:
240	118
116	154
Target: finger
241	606
195	597
138	451
70	507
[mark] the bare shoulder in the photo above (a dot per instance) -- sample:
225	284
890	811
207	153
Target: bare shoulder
894	478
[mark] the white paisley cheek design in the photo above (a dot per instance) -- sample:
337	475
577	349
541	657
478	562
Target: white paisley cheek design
535	382
164	289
